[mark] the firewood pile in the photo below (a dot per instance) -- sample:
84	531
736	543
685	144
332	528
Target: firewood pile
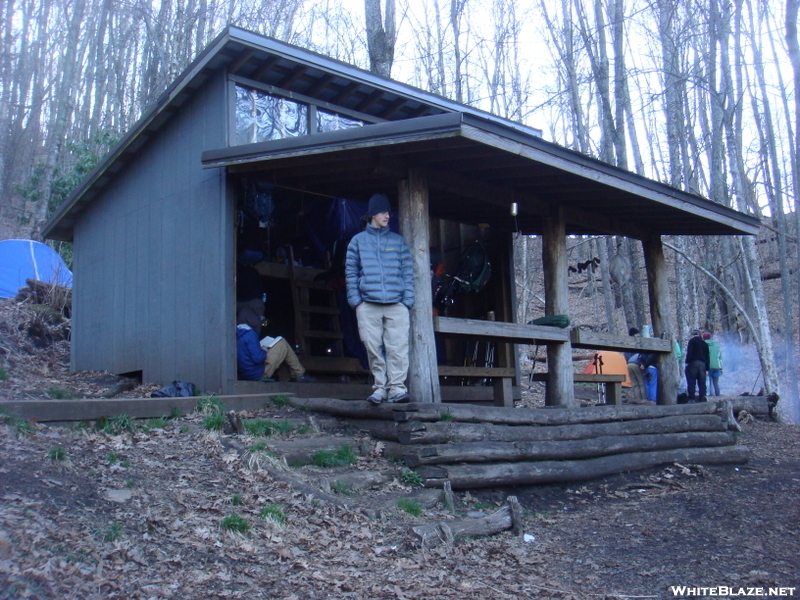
475	446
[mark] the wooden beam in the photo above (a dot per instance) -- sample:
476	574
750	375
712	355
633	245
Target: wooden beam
320	85
241	61
345	93
371	99
607	341
293	76
658	290
393	108
451	371
264	68
510	332
423	376
560	391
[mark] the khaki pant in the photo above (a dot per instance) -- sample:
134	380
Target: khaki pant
282	355
384	330
637	381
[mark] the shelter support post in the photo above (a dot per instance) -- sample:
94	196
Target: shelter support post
423	374
658	290
560	390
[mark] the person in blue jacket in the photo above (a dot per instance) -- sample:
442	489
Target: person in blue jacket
257	362
380	287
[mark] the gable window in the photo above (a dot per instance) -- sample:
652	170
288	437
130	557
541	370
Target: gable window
261	117
328	121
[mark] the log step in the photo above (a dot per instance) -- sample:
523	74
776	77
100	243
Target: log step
472	476
484	452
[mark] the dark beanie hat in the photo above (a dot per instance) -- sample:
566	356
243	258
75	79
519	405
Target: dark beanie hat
247	316
377	204
633	331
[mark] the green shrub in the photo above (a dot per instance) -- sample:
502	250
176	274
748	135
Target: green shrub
110	533
236	500
118	424
410	477
214	422
58	454
334	458
157	423
235	524
284	427
130	483
280	401
210	405
60	393
20	425
446	417
112	457
341	488
3	374
274	512
257	447
412	507
259	427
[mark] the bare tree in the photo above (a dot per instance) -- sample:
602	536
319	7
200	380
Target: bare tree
381	36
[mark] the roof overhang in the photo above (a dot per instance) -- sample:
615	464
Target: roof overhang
475	169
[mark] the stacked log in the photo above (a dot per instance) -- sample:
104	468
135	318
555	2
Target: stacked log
473	446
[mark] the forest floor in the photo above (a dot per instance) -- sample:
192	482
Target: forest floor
128	512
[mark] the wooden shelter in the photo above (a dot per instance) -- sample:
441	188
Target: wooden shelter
155	226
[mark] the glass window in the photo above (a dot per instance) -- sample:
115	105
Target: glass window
261	117
328	121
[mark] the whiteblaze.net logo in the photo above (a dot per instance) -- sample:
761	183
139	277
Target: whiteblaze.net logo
724	591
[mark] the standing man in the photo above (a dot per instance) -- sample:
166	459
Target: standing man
380	287
697	364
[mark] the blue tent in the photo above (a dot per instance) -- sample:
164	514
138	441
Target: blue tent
26	259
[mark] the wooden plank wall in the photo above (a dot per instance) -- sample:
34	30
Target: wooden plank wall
154	259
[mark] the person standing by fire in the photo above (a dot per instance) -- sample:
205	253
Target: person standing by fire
697	365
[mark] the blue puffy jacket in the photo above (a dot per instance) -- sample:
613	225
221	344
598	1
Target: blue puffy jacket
378	268
250	356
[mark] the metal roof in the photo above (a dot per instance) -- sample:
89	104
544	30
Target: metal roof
475	170
481	151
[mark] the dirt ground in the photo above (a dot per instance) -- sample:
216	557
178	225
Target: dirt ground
87	513
141	515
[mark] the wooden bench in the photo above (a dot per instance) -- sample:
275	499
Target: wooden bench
612	383
497	331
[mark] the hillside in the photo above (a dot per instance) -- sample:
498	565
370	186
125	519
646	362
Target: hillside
140	511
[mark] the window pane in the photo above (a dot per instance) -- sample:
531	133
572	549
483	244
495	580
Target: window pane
261	117
327	121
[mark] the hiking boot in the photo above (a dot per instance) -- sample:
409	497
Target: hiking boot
375	399
401	397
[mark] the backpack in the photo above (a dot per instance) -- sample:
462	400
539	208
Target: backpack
474	270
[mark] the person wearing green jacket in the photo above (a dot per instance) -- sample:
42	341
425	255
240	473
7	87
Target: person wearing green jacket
714	363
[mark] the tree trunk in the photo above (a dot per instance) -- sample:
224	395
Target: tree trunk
560	390
381	36
423	376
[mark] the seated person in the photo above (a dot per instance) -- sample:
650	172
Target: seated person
256	362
